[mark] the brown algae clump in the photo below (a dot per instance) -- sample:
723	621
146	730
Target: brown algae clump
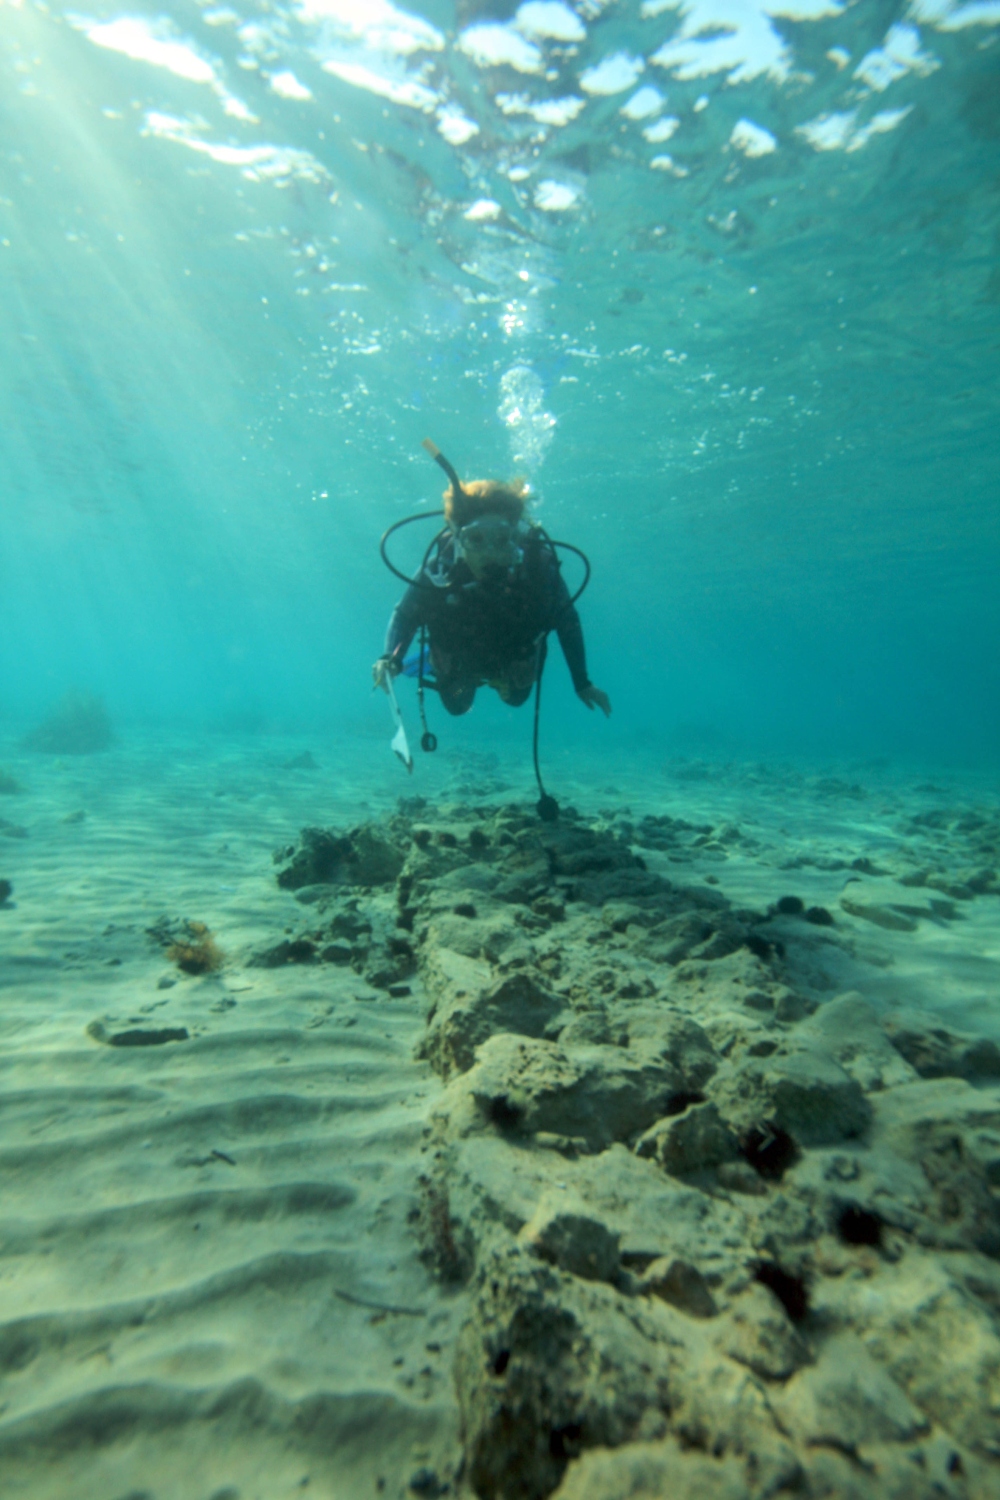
196	952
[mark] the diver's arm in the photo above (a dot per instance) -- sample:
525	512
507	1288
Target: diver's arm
570	633
564	620
406	618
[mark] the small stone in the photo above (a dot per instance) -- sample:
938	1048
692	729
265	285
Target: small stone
790	906
805	1094
137	1037
6	891
680	1284
312	895
470	1006
522	1084
166	982
818	916
690	1142
549	907
425	1482
936	1052
562	1232
870	909
760	1334
741	1177
336	953
790	1007
288	951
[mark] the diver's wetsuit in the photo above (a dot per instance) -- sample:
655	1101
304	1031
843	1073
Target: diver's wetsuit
489	630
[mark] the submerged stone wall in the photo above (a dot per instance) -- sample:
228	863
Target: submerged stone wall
718	1239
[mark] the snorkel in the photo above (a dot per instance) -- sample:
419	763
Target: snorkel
485	542
439	458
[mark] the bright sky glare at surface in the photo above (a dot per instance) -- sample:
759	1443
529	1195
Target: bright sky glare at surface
772	341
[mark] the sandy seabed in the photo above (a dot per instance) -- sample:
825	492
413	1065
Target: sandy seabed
220	1277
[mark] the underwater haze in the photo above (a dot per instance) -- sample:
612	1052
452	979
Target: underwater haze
615	1122
719	277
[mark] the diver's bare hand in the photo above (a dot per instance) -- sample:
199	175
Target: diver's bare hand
382	670
592	696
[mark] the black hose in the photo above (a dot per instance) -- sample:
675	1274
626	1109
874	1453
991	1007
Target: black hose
406	521
581	555
547	807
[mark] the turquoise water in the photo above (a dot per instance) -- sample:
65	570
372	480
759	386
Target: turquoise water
720	278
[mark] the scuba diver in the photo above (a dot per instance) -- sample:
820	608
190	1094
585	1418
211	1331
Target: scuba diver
488	593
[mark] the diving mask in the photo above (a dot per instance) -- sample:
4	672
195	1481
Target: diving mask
489	542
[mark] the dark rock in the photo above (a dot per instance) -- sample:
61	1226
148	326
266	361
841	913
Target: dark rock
547	1366
384	973
138	1037
426	1482
600	1094
818	916
861	902
446	1244
667	1035
790	1289
288	951
365	856
670	941
805	1094
336	953
627	883
469	1006
952	1130
769	1150
859	1226
790	906
936	1052
690	1142
313	895
79	726
728	937
759	1330
680	1284
525	881
566	1235
790	1007
6	891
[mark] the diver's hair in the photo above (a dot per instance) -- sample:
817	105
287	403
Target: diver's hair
485	497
